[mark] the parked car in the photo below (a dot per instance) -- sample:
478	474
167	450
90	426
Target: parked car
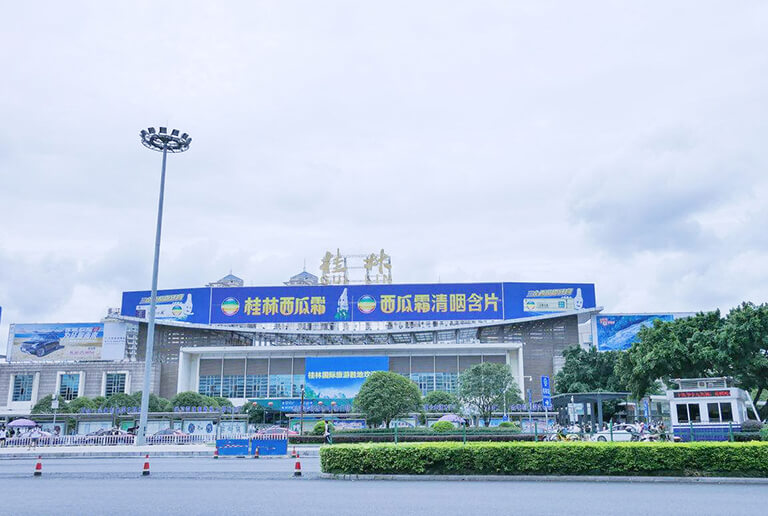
108	436
169	436
278	430
622	432
41	344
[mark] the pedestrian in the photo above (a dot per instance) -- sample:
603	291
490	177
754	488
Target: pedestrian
327	431
3	436
34	437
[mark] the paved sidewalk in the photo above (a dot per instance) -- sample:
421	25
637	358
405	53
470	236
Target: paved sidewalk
157	450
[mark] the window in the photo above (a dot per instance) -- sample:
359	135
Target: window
256	386
210	385
693	410
298	379
69	386
425	381
114	384
719	412
688	413
448	382
233	386
714	412
726	412
279	385
22	387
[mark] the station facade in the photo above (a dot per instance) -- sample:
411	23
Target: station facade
253	344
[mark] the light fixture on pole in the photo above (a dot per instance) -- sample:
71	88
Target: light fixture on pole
162	141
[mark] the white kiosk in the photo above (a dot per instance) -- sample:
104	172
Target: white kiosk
708	410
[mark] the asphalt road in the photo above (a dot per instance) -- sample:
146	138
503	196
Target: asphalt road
205	486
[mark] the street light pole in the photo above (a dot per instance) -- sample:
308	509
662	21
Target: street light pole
301	412
162	142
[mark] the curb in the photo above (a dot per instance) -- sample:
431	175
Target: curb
234	475
553	478
133	455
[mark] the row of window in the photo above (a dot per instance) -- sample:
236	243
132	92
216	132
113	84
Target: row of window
69	385
251	386
289	386
691	412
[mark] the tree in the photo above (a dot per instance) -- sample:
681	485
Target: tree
743	347
482	387
223	402
441	399
193	399
385	396
683	348
120	399
44	406
589	371
156	403
78	404
255	412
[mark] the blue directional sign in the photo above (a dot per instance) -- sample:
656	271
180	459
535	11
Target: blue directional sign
546	393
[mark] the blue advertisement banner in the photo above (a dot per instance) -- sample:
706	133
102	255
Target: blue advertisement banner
44	342
363	303
427	302
532	299
339	377
619	332
192	305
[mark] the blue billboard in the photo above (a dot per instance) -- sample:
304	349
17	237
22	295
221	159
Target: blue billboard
364	303
532	299
192	305
43	342
339	377
616	332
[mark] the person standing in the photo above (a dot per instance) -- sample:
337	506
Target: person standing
3	436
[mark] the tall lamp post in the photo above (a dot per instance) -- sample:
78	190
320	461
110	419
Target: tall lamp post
164	142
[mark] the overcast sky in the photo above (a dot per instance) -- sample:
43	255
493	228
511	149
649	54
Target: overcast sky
625	145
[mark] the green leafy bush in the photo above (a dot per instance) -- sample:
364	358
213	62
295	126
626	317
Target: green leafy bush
443	426
743	437
509	425
751	426
577	458
764	433
319	428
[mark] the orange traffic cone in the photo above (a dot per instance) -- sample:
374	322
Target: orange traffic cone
256	452
145	471
216	453
293	453
297	469
39	466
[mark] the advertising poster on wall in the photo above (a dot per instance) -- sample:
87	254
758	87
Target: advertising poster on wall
56	342
190	305
532	299
339	377
614	332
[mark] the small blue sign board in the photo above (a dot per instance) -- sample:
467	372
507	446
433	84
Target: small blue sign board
546	393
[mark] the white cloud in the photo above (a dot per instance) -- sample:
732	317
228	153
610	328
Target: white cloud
474	141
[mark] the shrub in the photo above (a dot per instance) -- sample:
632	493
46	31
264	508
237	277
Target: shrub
509	425
751	426
742	437
764	433
319	428
443	426
577	458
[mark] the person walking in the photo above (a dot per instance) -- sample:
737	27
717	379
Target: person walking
327	431
34	437
3	436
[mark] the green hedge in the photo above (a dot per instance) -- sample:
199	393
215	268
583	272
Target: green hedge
577	458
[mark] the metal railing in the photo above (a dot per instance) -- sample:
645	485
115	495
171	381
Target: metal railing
117	440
